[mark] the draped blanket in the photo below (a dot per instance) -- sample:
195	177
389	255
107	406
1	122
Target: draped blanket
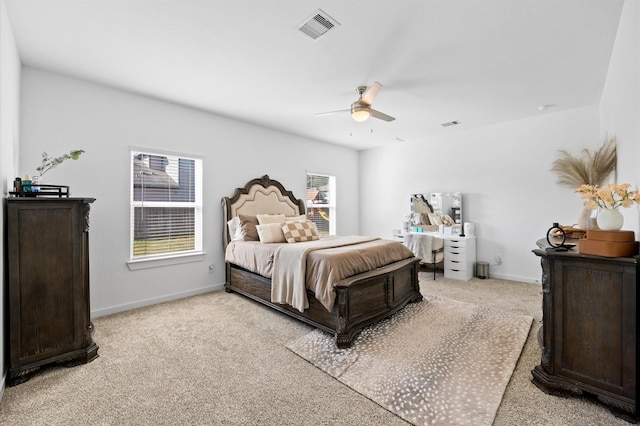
423	245
288	279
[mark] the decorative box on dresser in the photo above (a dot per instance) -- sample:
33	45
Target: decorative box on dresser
459	257
48	276
588	336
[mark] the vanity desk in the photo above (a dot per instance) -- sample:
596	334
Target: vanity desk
430	213
459	252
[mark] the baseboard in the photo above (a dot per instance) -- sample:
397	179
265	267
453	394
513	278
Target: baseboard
515	278
139	304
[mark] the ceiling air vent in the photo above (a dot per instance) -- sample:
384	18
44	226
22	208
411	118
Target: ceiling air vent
450	123
317	24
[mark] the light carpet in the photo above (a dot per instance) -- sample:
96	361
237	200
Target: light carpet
438	361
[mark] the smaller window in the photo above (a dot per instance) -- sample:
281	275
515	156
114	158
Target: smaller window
166	205
321	205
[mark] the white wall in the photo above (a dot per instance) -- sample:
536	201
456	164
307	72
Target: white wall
504	174
60	114
9	137
503	170
620	105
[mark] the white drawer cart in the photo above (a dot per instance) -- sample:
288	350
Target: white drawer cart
459	257
459	254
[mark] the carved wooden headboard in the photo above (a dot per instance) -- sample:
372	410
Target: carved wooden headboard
260	196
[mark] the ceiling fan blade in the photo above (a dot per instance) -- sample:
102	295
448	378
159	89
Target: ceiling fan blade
332	112
371	92
381	115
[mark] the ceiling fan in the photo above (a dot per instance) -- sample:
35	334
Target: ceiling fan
361	109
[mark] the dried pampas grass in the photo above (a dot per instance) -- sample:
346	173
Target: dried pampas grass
589	168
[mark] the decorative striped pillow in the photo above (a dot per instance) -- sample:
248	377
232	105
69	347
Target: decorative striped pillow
295	232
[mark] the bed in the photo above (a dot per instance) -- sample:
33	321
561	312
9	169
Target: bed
358	300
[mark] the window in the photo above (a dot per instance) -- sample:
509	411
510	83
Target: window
166	205
321	204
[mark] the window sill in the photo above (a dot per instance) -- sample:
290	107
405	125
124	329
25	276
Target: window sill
135	265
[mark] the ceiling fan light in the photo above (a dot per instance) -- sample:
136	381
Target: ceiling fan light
360	114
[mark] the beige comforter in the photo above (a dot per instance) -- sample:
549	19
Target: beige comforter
252	255
313	265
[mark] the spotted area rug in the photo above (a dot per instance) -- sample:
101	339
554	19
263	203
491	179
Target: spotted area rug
436	362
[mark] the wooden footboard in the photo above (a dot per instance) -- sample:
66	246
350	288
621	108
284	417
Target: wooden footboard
361	300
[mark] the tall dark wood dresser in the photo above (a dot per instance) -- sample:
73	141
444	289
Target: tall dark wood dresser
588	337
48	277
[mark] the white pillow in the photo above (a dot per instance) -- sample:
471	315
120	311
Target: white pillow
234	229
263	219
270	233
295	218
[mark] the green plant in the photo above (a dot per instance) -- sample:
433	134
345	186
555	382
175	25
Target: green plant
49	163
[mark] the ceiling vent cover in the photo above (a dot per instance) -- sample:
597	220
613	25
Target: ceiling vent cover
317	24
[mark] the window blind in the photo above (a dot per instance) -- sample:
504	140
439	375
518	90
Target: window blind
321	202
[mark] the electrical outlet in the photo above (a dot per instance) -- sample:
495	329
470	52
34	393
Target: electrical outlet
211	268
498	259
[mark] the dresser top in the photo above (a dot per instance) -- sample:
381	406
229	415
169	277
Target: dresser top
50	199
574	254
446	236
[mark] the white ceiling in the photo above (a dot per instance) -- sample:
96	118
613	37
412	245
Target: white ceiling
476	61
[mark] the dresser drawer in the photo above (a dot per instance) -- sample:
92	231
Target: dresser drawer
455	265
455	243
456	275
453	250
459	256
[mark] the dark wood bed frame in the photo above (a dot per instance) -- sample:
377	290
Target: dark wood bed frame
361	300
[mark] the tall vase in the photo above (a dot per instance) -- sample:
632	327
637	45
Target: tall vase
610	219
587	218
